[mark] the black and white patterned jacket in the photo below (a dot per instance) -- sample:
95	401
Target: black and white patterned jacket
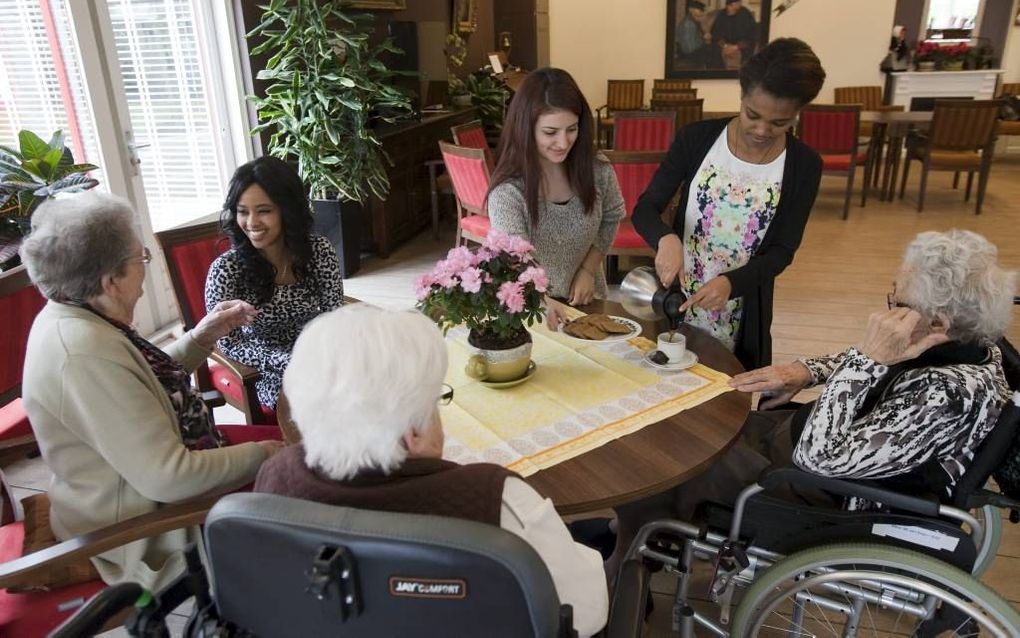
940	413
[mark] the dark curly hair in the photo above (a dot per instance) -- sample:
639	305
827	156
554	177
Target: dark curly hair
284	187
785	68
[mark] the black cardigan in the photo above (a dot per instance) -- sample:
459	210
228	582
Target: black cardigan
753	281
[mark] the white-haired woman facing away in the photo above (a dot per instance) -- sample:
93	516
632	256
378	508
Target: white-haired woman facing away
364	385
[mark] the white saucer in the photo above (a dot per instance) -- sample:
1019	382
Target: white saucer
689	360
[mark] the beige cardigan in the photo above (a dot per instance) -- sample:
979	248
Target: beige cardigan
108	432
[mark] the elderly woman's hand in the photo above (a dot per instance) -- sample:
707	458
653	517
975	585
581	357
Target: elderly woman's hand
898	335
779	382
223	318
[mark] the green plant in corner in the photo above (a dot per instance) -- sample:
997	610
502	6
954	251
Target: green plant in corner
328	86
488	96
34	172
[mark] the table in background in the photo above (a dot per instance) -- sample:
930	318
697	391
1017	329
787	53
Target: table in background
891	128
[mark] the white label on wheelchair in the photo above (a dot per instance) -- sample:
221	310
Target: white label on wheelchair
917	536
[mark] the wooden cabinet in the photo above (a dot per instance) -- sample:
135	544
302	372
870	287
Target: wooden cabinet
406	210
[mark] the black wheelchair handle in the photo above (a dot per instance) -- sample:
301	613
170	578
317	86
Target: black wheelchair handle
93	616
783	475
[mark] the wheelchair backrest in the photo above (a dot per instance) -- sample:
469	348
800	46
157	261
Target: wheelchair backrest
287	567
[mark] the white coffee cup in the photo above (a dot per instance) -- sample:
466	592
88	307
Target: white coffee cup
675	349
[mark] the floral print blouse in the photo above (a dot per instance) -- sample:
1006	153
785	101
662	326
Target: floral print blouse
731	205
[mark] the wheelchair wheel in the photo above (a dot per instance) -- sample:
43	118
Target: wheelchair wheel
991	518
866	589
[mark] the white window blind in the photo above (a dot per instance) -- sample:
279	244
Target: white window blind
167	81
40	77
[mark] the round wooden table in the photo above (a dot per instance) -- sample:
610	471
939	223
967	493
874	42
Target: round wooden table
659	456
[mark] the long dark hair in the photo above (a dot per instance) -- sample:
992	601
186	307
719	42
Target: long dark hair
284	187
542	91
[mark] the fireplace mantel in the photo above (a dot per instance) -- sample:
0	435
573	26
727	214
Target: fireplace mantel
902	87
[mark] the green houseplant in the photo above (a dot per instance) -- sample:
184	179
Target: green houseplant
328	87
488	96
29	175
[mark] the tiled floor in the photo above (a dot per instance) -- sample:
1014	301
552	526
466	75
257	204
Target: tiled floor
841	273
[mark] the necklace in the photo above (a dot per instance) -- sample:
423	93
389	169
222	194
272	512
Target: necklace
739	135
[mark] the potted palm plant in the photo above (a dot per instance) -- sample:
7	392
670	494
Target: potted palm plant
328	87
30	174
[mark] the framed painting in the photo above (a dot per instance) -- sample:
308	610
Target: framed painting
391	5
712	38
465	16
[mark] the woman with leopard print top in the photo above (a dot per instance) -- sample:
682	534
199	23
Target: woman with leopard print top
276	264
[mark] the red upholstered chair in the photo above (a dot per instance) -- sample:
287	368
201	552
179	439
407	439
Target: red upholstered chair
189	252
643	130
20	302
472	135
469	172
833	131
36	613
634	171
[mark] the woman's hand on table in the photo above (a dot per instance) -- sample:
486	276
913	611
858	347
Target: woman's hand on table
221	320
582	288
779	382
555	313
669	259
712	296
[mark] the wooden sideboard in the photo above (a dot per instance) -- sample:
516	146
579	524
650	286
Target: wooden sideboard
406	210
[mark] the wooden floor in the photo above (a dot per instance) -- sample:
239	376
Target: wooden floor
840	275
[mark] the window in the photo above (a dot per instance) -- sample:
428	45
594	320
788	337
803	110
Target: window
952	19
41	85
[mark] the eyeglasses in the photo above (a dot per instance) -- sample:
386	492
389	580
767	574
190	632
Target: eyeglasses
145	258
447	396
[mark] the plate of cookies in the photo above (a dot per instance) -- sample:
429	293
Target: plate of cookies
599	327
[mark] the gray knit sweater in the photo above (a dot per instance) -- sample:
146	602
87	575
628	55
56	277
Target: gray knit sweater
564	234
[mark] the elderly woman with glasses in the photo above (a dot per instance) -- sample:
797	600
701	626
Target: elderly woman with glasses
117	420
363	385
908	404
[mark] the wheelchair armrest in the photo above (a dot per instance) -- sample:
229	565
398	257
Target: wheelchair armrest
776	476
246	374
37	564
627	611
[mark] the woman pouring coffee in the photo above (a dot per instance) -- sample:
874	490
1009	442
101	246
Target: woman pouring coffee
747	189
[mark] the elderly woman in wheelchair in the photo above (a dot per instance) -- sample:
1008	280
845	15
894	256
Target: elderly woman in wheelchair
904	413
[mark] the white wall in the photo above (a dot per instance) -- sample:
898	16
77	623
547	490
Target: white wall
596	40
1011	55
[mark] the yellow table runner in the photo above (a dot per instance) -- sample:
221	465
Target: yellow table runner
581	396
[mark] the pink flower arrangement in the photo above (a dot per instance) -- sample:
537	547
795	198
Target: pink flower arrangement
496	289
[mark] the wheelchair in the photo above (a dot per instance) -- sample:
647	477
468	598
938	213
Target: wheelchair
786	569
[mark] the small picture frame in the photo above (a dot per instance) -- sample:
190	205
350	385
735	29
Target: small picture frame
382	5
497	66
465	16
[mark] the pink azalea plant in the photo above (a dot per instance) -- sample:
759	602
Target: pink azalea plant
494	290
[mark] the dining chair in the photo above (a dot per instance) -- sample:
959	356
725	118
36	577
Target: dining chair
189	252
643	130
685	112
674	96
621	95
832	130
870	99
20	302
472	135
670	85
1009	127
634	171
469	173
961	138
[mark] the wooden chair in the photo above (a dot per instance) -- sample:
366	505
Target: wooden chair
685	112
1009	127
469	173
621	95
674	96
189	252
36	613
634	171
670	85
472	135
961	138
20	302
643	130
870	99
833	131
